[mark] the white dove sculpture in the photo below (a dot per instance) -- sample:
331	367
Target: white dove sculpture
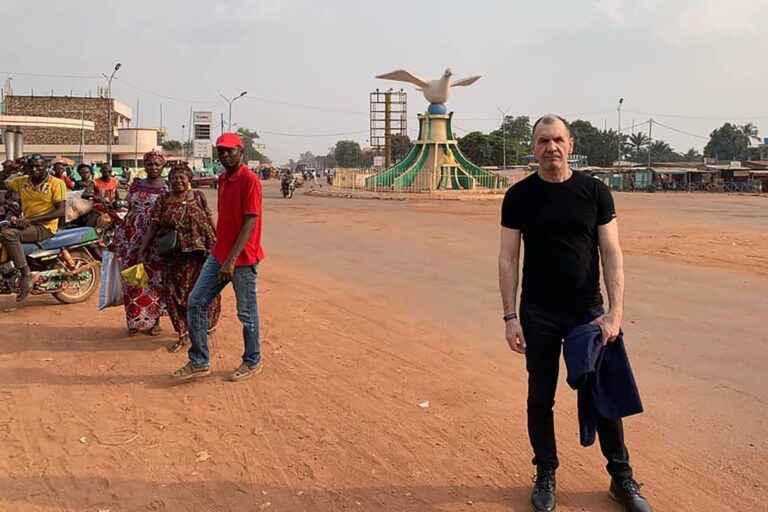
435	91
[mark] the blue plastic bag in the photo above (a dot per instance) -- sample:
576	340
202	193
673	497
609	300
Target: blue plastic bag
111	292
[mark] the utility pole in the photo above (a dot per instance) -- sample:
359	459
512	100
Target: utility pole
618	131
388	129
650	139
231	101
136	138
503	137
110	130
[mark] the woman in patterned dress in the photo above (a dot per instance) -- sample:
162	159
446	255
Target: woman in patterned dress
187	212
143	306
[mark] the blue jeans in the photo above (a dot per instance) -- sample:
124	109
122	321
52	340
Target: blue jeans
205	290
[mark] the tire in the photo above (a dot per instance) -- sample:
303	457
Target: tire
84	292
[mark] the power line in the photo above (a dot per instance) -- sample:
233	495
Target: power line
163	96
311	135
48	75
701	118
301	105
635	125
681	131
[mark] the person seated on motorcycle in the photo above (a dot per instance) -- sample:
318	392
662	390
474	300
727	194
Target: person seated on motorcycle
88	187
60	171
106	185
43	203
86	183
286	179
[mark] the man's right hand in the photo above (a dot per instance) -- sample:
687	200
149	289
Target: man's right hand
515	337
22	223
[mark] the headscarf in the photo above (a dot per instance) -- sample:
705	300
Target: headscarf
182	167
154	155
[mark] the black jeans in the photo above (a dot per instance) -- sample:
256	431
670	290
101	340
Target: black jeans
13	238
544	330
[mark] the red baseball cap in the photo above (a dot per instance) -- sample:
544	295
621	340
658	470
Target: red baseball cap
229	140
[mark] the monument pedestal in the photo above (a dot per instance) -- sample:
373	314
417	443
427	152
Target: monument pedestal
435	162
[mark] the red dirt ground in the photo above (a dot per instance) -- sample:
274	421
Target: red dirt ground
370	308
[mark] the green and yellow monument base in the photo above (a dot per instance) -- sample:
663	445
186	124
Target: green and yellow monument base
435	162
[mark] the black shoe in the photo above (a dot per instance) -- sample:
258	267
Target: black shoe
26	285
543	495
628	494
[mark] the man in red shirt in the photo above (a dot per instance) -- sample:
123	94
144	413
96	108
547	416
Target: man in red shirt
234	258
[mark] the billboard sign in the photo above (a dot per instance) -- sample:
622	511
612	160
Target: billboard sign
201	149
203	117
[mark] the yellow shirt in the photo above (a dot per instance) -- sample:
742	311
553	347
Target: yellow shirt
40	199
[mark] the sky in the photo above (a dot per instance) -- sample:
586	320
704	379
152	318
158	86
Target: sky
308	66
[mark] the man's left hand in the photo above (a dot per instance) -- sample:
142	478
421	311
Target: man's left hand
227	271
610	324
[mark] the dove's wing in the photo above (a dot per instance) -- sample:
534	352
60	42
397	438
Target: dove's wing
403	75
465	81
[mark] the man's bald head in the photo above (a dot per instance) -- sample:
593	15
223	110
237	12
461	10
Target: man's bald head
550	119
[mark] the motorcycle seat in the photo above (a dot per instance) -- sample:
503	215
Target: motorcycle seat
64	238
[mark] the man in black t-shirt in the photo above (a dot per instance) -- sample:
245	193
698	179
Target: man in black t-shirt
568	221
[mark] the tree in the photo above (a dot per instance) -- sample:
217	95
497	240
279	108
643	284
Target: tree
367	160
308	158
517	129
589	141
401	144
171	145
348	153
637	141
730	142
692	155
518	138
480	148
751	131
249	150
661	151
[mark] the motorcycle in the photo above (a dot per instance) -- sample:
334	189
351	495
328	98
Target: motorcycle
64	265
288	187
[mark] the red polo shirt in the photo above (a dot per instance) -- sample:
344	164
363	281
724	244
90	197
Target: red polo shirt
239	195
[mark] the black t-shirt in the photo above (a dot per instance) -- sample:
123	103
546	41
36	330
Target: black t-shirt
559	223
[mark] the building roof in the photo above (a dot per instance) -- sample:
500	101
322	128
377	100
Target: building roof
756	164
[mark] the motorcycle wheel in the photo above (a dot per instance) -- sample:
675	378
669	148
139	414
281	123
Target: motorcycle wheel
83	291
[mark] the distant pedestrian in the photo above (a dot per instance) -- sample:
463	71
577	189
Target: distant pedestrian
568	221
234	258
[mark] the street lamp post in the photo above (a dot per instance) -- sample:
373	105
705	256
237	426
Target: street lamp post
182	142
231	101
618	110
503	136
110	130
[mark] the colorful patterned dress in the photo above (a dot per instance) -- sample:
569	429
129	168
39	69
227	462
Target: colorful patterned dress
192	220
143	306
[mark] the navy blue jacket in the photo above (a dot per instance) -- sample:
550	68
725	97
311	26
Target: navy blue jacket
603	377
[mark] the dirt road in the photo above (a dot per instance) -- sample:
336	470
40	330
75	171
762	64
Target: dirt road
369	309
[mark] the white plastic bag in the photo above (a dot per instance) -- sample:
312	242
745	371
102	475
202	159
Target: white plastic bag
77	206
111	292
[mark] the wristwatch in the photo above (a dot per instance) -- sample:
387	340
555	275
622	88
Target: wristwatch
510	316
